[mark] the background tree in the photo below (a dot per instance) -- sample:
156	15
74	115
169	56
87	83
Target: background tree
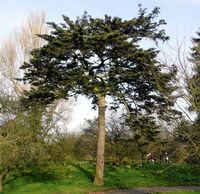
62	147
186	138
194	81
192	133
183	132
15	49
119	144
86	143
98	58
145	130
25	136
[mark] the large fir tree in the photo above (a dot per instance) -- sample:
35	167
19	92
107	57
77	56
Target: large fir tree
98	58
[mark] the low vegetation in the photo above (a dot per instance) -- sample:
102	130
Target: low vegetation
78	177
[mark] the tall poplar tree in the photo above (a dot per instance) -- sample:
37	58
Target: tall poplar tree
98	58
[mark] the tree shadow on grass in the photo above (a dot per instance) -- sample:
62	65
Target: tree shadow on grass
13	181
87	173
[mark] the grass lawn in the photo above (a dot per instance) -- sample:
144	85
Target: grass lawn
76	178
178	192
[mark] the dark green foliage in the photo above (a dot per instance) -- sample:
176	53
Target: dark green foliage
101	56
93	56
196	48
144	131
144	127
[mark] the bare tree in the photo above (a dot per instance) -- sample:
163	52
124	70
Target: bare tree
185	130
15	49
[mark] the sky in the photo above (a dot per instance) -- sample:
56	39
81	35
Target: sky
182	17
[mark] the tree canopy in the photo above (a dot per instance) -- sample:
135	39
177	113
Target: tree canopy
91	56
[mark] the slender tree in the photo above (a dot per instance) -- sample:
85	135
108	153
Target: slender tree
15	49
193	91
194	81
185	133
98	58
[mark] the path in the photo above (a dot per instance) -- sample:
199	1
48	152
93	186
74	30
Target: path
152	189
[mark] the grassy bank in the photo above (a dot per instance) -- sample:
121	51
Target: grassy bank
78	178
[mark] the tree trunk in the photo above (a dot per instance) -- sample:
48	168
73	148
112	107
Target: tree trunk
101	142
2	175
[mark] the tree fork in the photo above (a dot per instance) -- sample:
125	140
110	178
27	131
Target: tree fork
101	142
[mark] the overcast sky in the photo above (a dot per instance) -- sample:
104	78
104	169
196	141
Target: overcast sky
182	16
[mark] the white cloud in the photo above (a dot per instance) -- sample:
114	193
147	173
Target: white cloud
81	111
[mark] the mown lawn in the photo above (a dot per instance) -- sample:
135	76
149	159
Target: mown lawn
78	178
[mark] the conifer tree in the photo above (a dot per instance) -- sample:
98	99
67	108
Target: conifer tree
98	58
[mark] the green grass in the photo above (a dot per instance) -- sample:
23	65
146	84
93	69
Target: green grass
75	178
178	192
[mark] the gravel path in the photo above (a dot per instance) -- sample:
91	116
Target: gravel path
152	189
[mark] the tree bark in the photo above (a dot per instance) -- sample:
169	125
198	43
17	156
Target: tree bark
101	142
2	175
